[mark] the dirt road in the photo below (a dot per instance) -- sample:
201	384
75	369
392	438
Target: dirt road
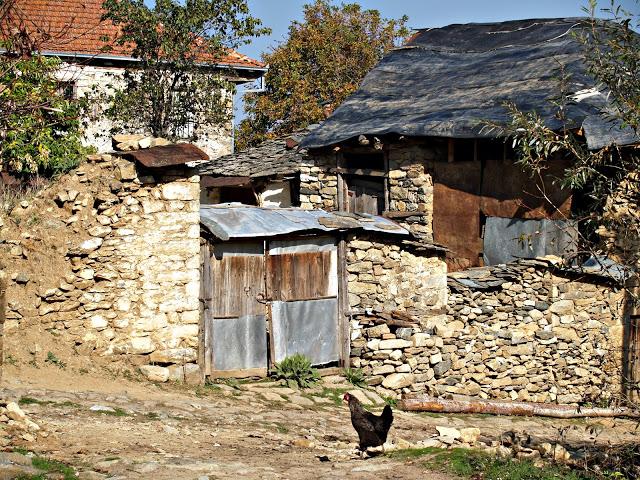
116	428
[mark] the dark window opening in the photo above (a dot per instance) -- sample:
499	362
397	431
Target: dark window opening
365	195
67	90
371	161
491	149
462	150
237	194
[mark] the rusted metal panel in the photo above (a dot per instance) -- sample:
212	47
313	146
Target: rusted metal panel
306	327
168	155
456	212
510	192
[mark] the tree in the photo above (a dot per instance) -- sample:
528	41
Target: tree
40	129
322	62
607	179
178	44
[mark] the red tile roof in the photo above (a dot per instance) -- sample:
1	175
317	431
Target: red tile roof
75	27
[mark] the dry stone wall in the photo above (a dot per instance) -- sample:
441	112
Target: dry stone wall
129	288
534	336
384	275
318	186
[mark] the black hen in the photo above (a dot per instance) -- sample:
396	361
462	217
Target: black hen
372	429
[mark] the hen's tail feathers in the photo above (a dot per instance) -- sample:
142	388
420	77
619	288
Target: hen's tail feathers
387	416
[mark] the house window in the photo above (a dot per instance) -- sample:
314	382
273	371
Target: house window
365	194
67	90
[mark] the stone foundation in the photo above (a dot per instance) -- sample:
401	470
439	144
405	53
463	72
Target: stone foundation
537	336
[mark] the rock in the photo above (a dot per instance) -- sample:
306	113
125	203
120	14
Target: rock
300	400
155	373
272	396
441	368
22	278
360	395
102	408
562	307
90	245
377	331
448	433
398	380
469	435
394	344
14	412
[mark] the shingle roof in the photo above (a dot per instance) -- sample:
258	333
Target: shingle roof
75	27
272	157
447	81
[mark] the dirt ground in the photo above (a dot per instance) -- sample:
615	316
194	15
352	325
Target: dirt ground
255	431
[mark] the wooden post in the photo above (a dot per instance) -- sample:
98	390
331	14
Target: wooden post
3	315
344	325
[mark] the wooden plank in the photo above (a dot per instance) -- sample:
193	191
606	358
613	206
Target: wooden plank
343	321
300	276
392	214
249	372
208	181
205	296
237	285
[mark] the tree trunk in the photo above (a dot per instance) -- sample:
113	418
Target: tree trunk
426	403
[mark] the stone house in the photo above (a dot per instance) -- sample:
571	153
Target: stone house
415	141
72	30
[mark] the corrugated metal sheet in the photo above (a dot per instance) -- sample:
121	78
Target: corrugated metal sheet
447	82
168	155
231	220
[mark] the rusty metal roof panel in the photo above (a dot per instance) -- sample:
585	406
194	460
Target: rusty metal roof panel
234	220
168	155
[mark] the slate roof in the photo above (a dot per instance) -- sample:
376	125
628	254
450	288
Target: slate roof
446	81
272	157
74	27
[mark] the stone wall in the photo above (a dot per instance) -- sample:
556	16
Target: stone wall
318	186
529	334
409	183
385	275
129	287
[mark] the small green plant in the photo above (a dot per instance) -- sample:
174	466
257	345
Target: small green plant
53	466
355	377
11	360
471	464
296	371
53	360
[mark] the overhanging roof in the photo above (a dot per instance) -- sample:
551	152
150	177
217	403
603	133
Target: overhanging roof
448	82
236	221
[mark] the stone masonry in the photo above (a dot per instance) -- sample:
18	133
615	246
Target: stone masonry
538	336
384	275
130	289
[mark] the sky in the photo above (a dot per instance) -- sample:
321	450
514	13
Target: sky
278	14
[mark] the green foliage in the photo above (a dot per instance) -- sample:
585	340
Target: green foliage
173	86
53	466
355	377
475	464
53	360
296	371
324	59
612	55
40	130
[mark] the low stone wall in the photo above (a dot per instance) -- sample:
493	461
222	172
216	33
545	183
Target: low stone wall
382	273
318	186
519	332
130	285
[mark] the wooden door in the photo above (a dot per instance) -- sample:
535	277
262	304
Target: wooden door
302	285
235	325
